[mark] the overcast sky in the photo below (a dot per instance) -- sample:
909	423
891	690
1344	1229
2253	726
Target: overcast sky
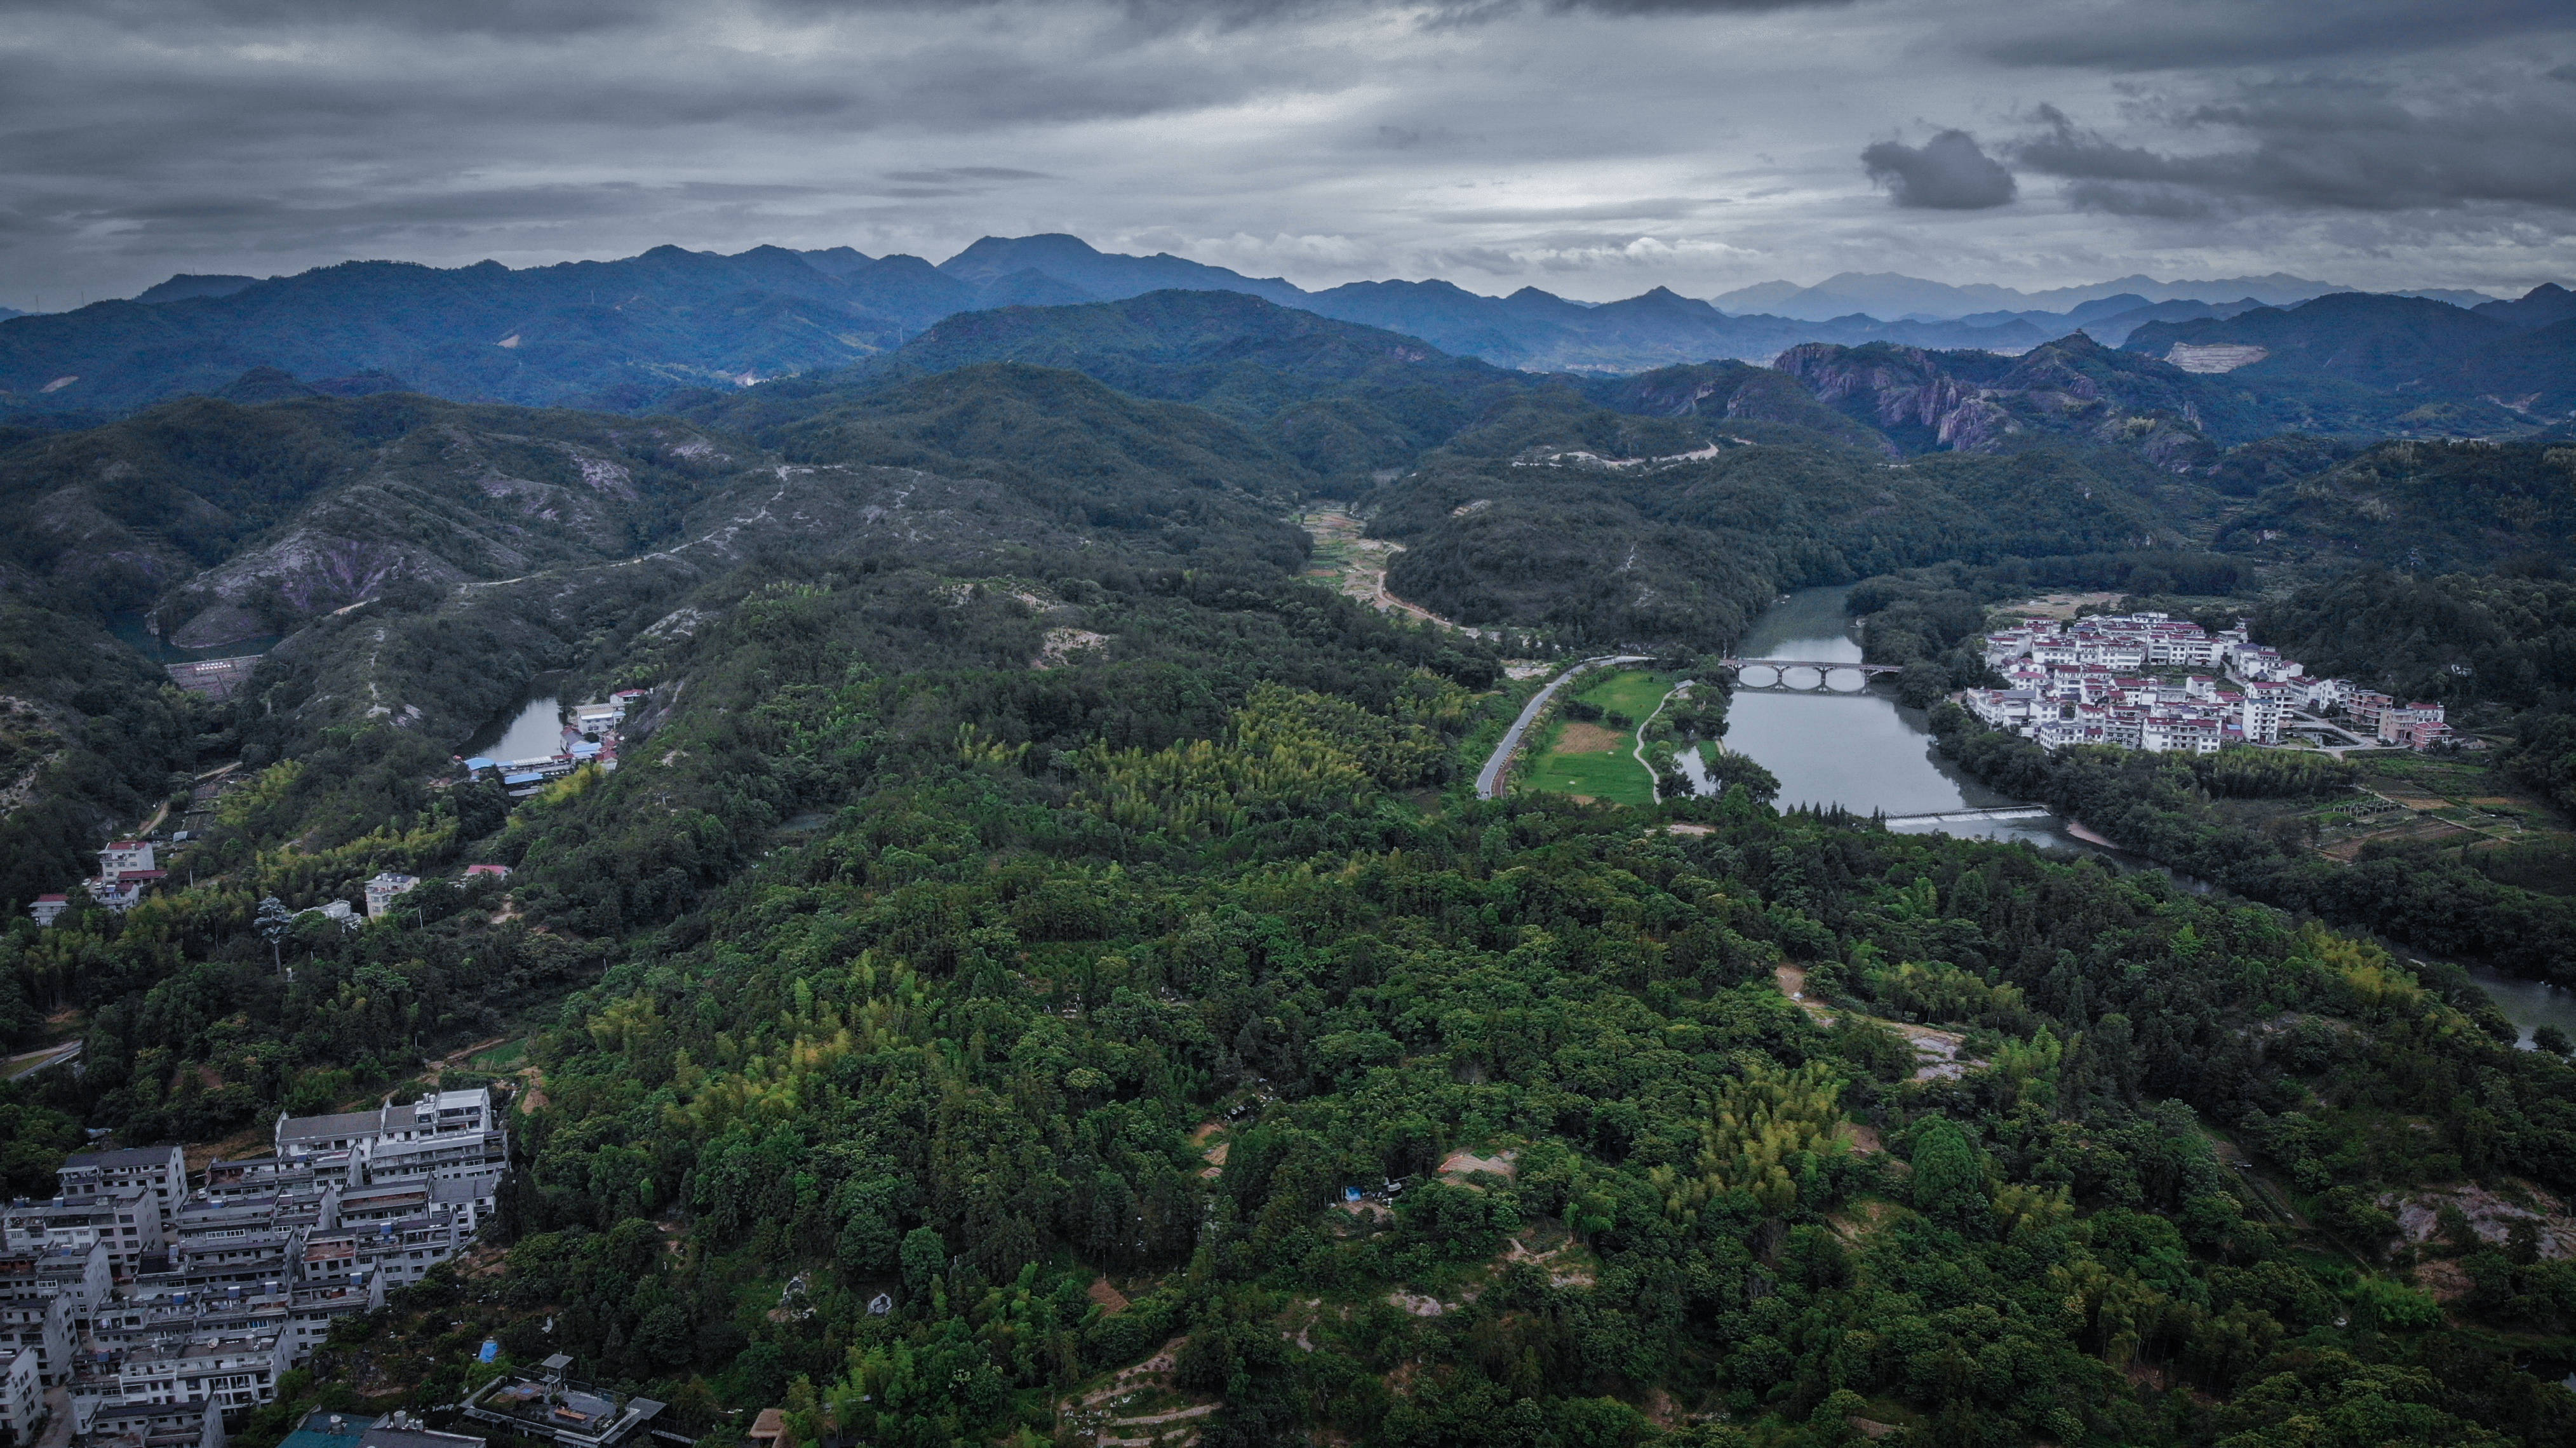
1591	147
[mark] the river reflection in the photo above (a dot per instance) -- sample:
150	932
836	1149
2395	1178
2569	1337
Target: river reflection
533	730
2529	1004
1859	750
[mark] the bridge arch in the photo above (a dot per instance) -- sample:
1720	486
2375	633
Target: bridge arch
1806	676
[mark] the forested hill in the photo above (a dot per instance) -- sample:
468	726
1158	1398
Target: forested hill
425	559
2432	506
1342	397
1614	529
2499	367
1174	1013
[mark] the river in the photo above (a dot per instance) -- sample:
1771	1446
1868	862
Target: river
1858	749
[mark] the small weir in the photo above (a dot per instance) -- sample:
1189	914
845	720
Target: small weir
1968	816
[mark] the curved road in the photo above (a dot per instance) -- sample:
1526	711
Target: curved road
1489	780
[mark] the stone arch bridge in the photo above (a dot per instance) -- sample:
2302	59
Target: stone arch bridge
1805	676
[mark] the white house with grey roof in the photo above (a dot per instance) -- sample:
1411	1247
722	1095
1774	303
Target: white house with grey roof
162	1169
445	1134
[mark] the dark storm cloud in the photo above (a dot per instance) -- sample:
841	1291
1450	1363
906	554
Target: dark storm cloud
563	18
1947	173
2328	144
1324	139
2199	34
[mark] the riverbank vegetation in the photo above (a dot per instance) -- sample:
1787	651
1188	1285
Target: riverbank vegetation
2160	807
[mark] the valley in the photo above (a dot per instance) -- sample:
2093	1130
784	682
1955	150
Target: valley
1056	959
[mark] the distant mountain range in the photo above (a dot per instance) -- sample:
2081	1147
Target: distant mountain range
2481	369
620	335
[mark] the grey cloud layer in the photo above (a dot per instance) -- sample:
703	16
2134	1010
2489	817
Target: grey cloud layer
1947	173
2195	35
1596	146
2332	144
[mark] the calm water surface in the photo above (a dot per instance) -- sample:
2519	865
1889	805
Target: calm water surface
131	630
531	730
1855	749
2529	1004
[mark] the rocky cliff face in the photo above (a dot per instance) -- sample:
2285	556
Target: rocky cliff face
1905	392
2072	388
1738	392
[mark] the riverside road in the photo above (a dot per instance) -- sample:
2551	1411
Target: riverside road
1489	780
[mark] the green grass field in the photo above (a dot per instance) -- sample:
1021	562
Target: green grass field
501	1057
1615	775
1633	692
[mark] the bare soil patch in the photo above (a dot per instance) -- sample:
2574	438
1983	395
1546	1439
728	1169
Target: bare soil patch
2055	605
2491	1216
2446	1280
1579	737
1063	643
1463	1163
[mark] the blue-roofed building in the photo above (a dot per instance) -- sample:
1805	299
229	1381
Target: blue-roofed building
323	1428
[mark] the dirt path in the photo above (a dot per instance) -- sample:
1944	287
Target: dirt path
1938	1054
1356	566
1654	784
462	1054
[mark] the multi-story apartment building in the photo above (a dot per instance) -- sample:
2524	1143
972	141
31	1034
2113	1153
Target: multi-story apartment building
2180	733
401	1252
263	1176
124	1217
2414	725
202	1263
301	1314
147	1425
162	1169
78	1275
469	1200
2261	713
236	1372
22	1395
446	1134
43	1326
